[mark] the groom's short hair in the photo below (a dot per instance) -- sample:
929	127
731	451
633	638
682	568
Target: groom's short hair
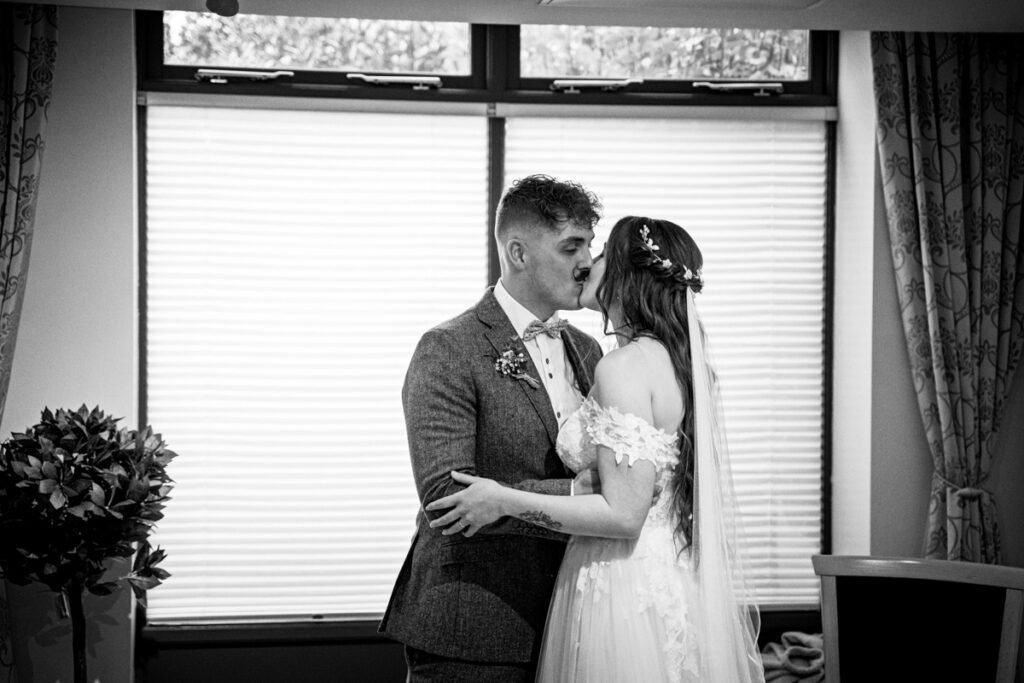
542	201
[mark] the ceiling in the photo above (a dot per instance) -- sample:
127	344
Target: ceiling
903	15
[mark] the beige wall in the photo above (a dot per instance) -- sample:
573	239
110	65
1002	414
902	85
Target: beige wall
1007	477
852	322
77	342
900	463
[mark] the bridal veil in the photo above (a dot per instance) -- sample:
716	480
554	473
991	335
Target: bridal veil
728	641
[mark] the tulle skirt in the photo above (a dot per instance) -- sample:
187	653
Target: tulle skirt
622	612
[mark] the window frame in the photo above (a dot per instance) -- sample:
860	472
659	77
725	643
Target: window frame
494	77
494	59
814	90
155	75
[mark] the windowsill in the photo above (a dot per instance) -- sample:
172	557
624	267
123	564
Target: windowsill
269	633
774	622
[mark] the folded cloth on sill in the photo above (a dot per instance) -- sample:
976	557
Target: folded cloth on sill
800	657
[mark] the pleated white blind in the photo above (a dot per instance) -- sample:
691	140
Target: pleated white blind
293	260
753	195
295	257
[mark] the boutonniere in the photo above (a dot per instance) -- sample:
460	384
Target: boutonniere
512	363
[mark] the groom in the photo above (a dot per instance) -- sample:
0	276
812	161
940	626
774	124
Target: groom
485	393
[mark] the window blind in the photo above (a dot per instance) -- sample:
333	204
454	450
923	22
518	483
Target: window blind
753	195
293	259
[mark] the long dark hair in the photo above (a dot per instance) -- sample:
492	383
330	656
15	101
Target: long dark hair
649	265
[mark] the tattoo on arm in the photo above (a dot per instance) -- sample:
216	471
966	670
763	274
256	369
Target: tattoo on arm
540	519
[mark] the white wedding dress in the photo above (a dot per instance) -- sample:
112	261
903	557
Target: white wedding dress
622	609
637	610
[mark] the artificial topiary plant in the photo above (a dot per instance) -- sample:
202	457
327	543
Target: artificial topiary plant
75	493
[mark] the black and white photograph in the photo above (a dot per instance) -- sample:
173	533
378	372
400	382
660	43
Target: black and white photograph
512	341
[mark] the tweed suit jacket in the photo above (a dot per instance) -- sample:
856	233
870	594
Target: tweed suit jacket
482	598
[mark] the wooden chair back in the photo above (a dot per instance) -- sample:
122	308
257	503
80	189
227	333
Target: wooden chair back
901	619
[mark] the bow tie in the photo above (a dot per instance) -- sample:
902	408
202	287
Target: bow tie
552	329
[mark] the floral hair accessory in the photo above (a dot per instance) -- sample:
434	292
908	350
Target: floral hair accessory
512	363
645	235
683	275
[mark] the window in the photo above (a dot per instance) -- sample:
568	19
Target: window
663	53
251	41
299	240
293	260
672	65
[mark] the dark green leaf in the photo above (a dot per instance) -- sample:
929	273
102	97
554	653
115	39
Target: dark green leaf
144	582
58	499
96	494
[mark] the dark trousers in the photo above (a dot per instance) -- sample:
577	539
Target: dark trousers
425	667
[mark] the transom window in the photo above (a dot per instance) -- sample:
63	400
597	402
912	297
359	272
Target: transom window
251	41
685	54
381	58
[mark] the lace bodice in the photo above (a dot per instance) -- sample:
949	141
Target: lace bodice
628	436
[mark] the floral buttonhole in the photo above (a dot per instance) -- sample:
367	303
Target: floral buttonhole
512	363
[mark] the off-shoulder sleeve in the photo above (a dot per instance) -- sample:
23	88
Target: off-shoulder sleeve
629	436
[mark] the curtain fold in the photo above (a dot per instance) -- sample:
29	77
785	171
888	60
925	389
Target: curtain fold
28	53
28	50
950	133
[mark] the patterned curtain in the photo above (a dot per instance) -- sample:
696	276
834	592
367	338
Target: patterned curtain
28	51
951	146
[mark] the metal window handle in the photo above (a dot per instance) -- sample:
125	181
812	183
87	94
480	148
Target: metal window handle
417	82
759	89
573	85
222	75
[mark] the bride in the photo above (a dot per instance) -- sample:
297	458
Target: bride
645	592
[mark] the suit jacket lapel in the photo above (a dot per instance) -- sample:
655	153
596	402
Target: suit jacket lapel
501	334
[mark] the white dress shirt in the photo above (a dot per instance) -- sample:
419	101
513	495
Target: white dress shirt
548	355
